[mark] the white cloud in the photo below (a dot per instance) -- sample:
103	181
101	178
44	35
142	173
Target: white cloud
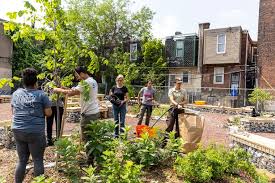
165	26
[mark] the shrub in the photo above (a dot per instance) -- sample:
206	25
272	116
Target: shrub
174	145
259	95
67	150
116	170
194	167
214	163
90	176
143	151
261	178
100	135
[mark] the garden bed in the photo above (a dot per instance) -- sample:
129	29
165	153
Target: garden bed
262	149
220	109
258	124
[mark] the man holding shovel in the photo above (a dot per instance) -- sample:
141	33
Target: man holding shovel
178	98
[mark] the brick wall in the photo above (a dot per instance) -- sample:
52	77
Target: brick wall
266	42
208	75
232	48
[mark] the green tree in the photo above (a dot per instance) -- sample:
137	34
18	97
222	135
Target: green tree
56	30
259	96
27	52
153	61
107	28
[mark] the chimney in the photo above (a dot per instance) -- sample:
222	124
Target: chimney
202	27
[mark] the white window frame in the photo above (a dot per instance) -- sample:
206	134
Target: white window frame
170	80
182	48
218	71
172	77
188	74
217	47
133	56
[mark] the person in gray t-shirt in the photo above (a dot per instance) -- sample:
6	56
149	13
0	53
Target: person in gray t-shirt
147	94
29	107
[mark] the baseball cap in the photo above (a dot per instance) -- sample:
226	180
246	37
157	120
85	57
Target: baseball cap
178	80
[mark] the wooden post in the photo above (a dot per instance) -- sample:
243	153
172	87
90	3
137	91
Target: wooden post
64	115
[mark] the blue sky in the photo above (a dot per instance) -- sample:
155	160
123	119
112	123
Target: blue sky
184	15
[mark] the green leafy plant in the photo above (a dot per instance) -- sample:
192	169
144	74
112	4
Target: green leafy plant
236	121
173	147
67	150
86	90
100	135
194	167
42	179
215	163
117	170
261	178
90	176
143	151
259	96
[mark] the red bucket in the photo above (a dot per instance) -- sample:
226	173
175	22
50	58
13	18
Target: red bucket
140	129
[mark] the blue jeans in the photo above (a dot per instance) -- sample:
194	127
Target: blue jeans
26	144
119	117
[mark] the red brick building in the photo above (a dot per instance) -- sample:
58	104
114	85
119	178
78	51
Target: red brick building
227	65
266	44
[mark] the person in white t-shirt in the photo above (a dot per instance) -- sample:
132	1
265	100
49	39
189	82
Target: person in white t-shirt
88	103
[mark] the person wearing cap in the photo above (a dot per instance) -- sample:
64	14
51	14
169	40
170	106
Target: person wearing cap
178	98
89	105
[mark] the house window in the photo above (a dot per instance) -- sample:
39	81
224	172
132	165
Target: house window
179	48
221	42
218	75
133	51
172	78
185	77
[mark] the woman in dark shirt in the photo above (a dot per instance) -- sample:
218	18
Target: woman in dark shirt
120	92
29	106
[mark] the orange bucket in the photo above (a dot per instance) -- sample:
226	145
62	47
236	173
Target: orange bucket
140	129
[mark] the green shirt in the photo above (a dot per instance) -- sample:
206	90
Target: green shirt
178	95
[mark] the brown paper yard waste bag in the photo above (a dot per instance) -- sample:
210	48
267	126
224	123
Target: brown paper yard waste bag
191	129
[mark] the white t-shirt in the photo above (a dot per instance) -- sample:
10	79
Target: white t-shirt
91	106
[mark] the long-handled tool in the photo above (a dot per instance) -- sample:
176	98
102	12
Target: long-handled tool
144	128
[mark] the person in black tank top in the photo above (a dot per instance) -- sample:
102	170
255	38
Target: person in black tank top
120	92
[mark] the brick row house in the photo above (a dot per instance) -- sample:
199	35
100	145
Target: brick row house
224	66
6	48
182	57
